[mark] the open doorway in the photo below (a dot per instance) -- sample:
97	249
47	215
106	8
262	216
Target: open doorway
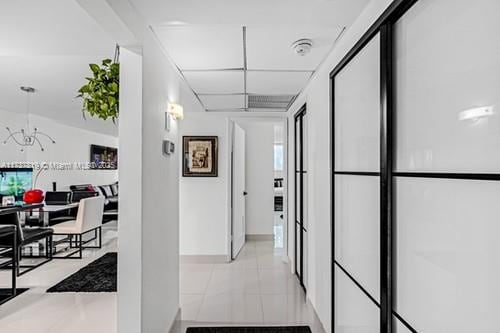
258	183
278	185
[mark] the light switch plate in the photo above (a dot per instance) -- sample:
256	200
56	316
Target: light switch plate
168	147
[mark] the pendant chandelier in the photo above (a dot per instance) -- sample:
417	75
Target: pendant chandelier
25	137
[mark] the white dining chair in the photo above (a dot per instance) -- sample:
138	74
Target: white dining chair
88	219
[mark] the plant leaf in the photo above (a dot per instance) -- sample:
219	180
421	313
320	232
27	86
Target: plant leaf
95	68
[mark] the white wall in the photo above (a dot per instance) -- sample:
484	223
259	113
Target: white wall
160	188
317	97
72	146
10	152
149	233
130	199
204	201
259	177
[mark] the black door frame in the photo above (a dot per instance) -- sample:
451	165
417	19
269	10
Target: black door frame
384	27
299	197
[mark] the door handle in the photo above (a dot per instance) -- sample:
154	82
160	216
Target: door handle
245	193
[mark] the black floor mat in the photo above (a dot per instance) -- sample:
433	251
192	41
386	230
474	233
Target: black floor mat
255	329
97	277
6	293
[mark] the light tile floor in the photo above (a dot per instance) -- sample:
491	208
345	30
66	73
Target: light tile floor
41	312
255	289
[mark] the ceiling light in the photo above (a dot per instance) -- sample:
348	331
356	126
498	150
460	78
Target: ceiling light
302	46
176	110
24	137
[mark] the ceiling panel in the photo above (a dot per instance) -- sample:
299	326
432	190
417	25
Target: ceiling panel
203	46
286	83
269	47
216	82
51	27
223	102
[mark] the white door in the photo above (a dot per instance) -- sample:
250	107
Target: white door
238	223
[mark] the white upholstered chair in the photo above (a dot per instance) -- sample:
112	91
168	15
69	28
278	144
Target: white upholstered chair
88	219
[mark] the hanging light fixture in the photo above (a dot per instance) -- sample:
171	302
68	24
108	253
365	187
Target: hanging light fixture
24	137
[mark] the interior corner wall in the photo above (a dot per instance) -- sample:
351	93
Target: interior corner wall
317	97
204	221
259	177
130	200
72	146
161	83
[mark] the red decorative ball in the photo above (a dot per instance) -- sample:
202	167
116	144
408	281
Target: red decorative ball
33	196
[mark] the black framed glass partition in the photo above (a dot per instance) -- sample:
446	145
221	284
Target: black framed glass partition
416	171
356	190
300	230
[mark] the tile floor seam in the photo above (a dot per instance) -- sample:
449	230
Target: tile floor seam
205	294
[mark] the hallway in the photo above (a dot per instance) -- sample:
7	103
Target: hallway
255	289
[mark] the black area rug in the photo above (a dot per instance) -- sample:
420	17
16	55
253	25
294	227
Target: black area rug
6	293
97	277
255	329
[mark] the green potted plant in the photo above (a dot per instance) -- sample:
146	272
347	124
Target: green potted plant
101	93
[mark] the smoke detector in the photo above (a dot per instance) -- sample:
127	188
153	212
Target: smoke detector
302	46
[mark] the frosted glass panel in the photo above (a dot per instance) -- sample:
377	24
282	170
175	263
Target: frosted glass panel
305	220
400	327
305	140
448	254
357	111
354	312
298	246
298	190
357	229
447	66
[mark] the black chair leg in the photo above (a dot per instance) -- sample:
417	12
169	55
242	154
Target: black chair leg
81	246
15	266
19	258
50	252
100	237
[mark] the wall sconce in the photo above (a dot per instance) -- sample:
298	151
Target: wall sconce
476	113
176	110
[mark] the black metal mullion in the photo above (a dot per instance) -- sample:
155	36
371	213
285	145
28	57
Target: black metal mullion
386	181
449	175
299	195
295	192
332	196
302	200
357	173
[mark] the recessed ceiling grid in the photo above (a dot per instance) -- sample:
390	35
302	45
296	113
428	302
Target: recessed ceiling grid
244	89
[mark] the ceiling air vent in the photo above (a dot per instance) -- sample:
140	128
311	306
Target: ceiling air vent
277	102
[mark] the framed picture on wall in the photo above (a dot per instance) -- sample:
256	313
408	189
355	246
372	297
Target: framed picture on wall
199	156
103	158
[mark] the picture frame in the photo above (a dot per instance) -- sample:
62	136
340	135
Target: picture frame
200	156
103	158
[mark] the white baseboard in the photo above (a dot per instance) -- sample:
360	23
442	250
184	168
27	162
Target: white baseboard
205	259
259	237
